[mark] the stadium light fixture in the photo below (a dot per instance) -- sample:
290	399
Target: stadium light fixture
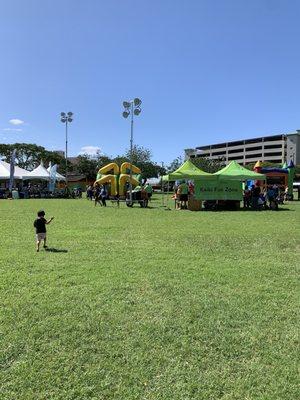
66	118
132	107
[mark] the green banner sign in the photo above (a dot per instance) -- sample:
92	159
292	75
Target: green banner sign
218	190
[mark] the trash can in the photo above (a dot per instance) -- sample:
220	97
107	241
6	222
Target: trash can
15	194
194	204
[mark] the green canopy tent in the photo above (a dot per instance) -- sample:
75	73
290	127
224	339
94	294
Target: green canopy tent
187	171
227	184
236	172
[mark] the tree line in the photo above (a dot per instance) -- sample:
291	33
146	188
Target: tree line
141	157
29	156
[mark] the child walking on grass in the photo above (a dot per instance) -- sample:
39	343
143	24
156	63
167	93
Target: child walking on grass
40	229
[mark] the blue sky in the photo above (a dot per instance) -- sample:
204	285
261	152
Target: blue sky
206	71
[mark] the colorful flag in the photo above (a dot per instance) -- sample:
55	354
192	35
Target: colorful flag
12	170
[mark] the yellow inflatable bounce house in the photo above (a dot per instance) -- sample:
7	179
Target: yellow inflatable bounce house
117	177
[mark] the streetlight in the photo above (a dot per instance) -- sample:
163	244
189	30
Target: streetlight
132	107
65	119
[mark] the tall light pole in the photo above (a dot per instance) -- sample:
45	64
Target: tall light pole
65	119
162	186
132	107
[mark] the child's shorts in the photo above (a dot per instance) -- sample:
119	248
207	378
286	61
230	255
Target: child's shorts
40	236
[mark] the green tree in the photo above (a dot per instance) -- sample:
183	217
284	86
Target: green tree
103	160
62	166
142	158
175	164
29	156
139	155
208	165
87	166
120	159
151	170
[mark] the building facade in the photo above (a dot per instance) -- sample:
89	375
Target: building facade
274	149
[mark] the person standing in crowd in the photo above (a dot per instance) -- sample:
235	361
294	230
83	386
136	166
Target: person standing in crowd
247	197
276	190
103	195
89	193
286	193
191	188
264	198
183	194
138	188
148	188
255	196
96	195
176	197
271	195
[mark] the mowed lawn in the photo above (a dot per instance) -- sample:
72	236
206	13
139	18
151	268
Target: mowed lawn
148	303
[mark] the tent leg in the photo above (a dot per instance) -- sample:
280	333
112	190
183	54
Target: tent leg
168	188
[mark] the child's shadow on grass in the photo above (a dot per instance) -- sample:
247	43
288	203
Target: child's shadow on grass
54	250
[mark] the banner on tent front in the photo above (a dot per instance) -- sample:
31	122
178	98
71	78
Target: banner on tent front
218	190
52	181
12	170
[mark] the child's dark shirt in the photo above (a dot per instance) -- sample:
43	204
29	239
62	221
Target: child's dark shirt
40	225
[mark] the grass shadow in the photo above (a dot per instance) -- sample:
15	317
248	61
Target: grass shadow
54	250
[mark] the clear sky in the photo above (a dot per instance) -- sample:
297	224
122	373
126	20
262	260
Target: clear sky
206	71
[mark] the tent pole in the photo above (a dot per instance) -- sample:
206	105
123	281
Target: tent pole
163	193
168	208
162	186
168	194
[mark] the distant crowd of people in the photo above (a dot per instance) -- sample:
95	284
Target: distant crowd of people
38	191
145	191
99	193
35	190
181	194
26	191
269	197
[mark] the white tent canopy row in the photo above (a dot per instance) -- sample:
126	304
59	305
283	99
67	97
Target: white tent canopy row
39	173
59	177
19	173
4	173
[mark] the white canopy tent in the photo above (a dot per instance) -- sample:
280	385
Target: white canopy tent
19	173
154	181
59	177
39	173
4	173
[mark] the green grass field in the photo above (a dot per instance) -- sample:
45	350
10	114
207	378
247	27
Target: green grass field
148	303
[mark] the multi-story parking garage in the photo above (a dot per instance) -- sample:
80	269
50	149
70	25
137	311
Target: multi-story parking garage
276	149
